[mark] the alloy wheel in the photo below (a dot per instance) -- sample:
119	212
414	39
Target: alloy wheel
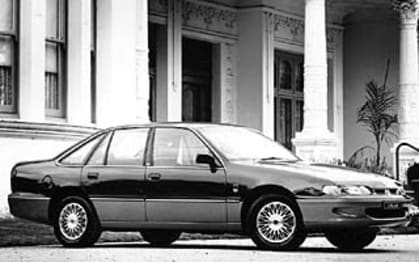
73	221
276	222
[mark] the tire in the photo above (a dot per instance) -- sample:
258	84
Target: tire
281	230
351	239
160	237
75	223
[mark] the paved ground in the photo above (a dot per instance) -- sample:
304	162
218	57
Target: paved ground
385	248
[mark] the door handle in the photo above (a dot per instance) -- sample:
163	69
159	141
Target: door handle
92	175
154	177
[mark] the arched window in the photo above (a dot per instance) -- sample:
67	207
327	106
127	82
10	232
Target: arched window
299	77
285	73
289	96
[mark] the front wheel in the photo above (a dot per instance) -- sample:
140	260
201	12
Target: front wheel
275	222
351	239
160	237
76	223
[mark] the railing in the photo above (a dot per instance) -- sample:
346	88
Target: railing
398	157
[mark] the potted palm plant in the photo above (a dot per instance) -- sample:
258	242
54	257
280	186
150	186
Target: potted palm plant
377	115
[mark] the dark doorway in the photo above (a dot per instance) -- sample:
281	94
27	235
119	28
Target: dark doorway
196	81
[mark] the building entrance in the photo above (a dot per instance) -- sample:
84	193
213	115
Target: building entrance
196	81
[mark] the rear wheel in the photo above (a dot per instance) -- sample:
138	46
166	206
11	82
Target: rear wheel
351	239
76	223
275	222
160	237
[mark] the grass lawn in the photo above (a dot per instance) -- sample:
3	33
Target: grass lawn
17	232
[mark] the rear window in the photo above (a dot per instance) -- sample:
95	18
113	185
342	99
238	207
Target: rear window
80	155
98	157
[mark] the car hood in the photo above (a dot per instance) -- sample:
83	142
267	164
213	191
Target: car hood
334	174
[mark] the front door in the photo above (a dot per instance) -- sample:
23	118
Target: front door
196	81
178	189
114	176
196	100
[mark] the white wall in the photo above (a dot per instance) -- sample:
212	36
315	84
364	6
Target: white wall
369	40
14	150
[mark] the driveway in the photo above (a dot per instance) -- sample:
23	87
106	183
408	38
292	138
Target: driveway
385	248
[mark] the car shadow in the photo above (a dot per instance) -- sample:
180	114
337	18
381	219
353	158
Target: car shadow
237	248
340	251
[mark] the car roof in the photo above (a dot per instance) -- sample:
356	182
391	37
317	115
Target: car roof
172	124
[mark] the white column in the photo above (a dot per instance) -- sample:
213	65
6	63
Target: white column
408	111
32	60
315	67
338	95
255	87
315	142
116	62
169	66
409	81
79	44
143	79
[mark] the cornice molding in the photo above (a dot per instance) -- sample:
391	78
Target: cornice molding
158	7
206	16
290	28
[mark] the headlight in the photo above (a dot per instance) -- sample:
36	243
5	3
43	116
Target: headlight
335	190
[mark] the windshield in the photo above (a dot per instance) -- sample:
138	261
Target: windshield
238	143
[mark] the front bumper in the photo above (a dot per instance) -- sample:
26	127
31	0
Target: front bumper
320	214
29	206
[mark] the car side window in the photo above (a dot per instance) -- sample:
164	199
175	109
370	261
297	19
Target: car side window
98	157
79	156
177	147
127	147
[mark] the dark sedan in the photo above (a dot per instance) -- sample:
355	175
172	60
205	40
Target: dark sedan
164	179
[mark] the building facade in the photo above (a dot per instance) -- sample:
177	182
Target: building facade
294	69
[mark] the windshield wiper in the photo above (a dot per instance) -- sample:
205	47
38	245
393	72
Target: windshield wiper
273	158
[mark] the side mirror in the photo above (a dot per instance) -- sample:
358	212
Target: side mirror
207	159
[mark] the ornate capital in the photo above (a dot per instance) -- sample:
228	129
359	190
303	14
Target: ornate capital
408	9
270	21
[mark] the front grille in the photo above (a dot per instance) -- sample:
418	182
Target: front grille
385	191
381	213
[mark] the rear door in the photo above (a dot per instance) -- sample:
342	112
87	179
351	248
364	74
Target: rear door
114	176
178	189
